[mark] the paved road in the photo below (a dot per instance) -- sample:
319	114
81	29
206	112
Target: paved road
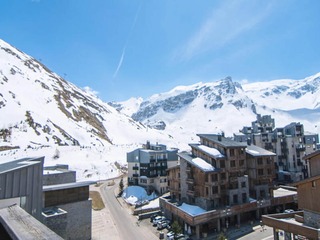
121	224
258	234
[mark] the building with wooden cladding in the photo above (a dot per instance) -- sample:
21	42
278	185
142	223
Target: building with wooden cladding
218	176
304	224
313	163
147	166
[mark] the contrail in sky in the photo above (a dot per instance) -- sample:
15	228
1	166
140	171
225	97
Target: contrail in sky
125	46
120	62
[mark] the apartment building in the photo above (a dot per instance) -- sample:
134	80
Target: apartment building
289	143
303	224
261	171
147	166
223	177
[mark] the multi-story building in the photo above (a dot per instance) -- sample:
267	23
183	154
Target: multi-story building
302	224
261	172
147	166
21	200
63	196
224	178
289	143
49	194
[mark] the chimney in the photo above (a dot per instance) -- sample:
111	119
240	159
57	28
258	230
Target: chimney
148	145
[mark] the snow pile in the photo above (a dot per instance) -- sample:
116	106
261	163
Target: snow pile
137	195
192	209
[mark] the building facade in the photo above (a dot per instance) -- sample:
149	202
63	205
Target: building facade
219	175
147	166
67	205
289	143
21	183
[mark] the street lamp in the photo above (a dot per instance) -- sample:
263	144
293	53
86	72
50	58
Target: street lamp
227	212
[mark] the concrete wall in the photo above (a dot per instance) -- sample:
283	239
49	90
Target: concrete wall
25	181
78	220
58	177
57	223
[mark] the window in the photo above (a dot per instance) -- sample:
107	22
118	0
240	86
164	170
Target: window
269	171
241	163
231	152
244	197
223	176
243	184
222	164
268	160
235	198
260	172
260	161
214	177
215	189
232	163
142	180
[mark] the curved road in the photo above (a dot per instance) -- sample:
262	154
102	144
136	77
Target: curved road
124	222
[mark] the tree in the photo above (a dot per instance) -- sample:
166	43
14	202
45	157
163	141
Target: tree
121	186
176	228
221	236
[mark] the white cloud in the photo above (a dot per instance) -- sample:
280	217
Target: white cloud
227	22
90	91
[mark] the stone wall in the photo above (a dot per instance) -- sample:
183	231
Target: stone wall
78	220
312	219
59	178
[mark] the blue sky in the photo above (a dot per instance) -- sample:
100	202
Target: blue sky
136	48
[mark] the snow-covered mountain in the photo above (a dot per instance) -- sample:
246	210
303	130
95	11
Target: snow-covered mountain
43	114
38	107
227	106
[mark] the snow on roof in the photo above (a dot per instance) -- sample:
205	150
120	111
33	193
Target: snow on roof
212	151
281	192
258	151
203	164
192	209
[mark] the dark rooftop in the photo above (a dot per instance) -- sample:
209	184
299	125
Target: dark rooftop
226	142
67	185
16	164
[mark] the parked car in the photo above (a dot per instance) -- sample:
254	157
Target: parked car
157	219
288	211
153	216
163	224
170	235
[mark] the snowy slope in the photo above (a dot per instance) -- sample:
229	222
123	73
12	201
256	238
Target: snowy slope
42	113
227	106
42	108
